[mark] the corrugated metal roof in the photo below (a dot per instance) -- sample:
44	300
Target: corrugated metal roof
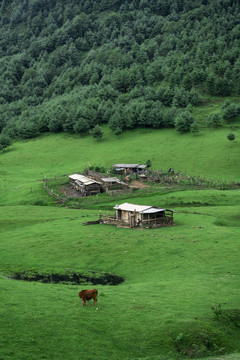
153	210
83	179
139	208
132	207
126	166
111	179
129	166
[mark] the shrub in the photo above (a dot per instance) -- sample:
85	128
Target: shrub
214	120
81	126
231	137
148	163
5	141
230	112
194	128
118	131
184	121
97	132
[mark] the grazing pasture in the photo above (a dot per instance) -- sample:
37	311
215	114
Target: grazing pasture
180	297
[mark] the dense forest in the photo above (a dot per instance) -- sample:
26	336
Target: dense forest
69	65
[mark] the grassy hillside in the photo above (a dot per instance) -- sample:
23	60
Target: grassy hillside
173	275
209	155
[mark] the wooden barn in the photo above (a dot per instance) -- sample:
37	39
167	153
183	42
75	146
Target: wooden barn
141	215
85	185
129	168
113	182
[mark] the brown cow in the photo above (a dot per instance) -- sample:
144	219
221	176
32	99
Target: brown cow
87	295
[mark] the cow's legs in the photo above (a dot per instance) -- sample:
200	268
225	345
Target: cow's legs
83	302
95	301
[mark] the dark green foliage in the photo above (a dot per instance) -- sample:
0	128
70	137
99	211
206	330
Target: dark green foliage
81	126
148	163
230	317
5	141
231	137
194	128
97	132
200	342
27	127
214	120
68	277
116	121
229	111
118	131
184	121
126	63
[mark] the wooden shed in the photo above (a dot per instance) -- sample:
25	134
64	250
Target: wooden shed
142	215
110	182
85	185
129	168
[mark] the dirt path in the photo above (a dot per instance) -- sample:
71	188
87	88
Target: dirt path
138	185
70	192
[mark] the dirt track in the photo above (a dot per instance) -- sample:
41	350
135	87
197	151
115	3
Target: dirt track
137	185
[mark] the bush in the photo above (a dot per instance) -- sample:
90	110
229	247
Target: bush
97	132
81	126
27	129
118	131
148	163
231	137
230	112
214	120
184	121
5	141
194	128
40	203
97	169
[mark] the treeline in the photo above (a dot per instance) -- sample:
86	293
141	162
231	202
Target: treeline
69	65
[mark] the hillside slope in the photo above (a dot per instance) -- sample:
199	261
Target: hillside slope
208	155
69	65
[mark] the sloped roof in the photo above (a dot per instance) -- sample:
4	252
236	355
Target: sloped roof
145	209
153	210
132	207
111	179
129	166
83	179
126	166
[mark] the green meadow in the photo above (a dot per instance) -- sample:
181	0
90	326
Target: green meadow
180	297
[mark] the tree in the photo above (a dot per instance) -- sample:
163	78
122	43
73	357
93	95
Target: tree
224	87
229	112
97	132
214	120
231	137
194	128
116	121
27	129
5	141
184	121
180	98
81	126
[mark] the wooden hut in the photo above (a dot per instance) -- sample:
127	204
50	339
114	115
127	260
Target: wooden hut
113	182
129	168
85	185
141	215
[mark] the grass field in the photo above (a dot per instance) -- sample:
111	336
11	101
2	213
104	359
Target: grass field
173	275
